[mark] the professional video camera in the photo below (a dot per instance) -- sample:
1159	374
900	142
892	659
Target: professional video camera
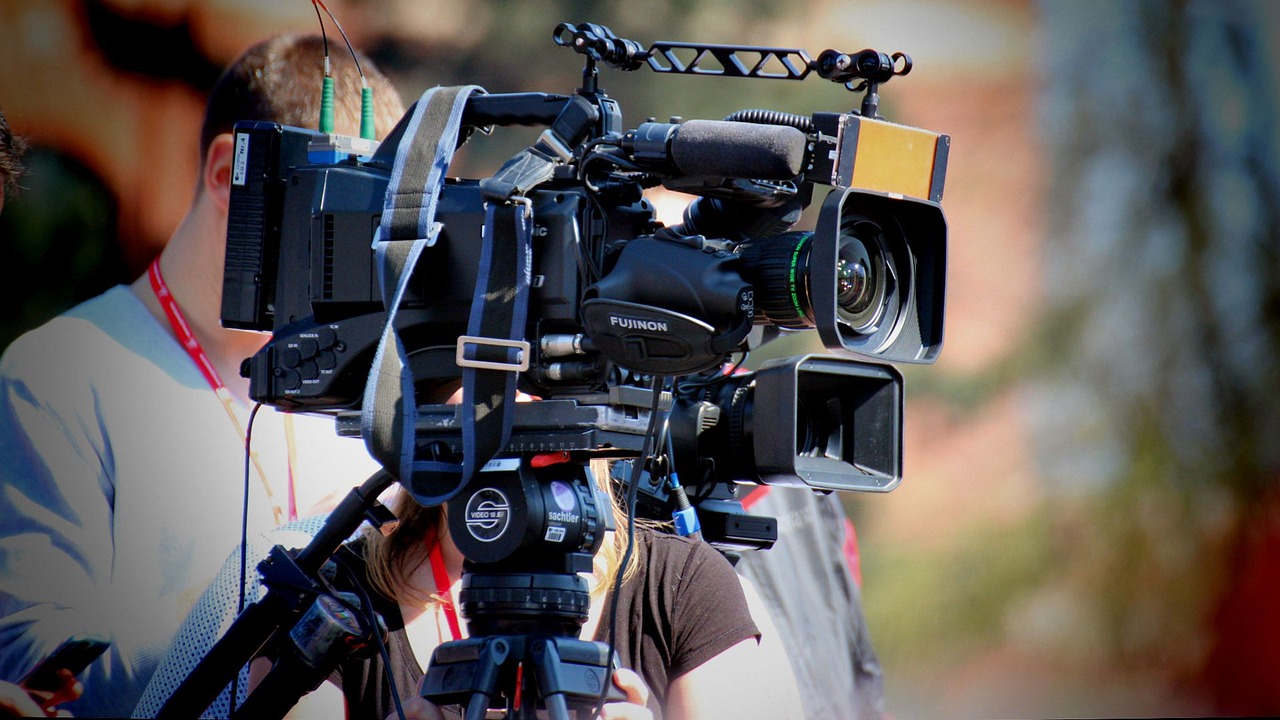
554	274
614	296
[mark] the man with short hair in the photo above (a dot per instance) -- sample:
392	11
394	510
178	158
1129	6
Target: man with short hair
123	422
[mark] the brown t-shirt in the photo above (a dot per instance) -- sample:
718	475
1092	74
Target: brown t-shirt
683	608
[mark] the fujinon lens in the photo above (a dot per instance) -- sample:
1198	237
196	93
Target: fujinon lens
862	278
779	269
783	274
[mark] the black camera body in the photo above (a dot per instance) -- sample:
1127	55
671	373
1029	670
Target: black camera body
314	223
615	296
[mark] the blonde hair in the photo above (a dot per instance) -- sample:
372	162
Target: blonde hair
392	558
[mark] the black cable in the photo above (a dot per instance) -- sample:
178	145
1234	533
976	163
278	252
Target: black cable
632	493
244	510
594	253
244	534
324	36
342	32
803	123
706	381
372	618
736	366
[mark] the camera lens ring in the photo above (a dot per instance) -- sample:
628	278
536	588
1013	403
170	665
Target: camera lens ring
740	409
779	269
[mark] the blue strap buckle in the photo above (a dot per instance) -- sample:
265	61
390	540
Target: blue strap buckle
520	365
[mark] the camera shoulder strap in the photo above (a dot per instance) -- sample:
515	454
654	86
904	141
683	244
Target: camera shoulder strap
389	411
494	350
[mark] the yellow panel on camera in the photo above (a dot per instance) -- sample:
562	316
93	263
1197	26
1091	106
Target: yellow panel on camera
898	159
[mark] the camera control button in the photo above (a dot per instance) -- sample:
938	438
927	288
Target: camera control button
291	380
326	337
327	360
290	358
309	370
308	348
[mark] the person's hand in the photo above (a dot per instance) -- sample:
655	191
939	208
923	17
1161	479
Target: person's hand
417	708
17	701
637	697
71	689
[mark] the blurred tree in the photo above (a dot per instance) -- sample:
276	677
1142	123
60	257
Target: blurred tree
1161	416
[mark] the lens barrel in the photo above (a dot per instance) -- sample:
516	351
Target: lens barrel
779	268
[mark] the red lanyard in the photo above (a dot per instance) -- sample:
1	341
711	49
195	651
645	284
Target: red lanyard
189	342
440	575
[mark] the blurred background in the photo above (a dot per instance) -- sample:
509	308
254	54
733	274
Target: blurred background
1089	523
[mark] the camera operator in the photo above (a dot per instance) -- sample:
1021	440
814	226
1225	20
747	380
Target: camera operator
123	422
683	622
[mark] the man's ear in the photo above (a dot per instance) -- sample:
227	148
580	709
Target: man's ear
216	177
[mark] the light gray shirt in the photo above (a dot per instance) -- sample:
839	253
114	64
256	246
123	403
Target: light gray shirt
121	490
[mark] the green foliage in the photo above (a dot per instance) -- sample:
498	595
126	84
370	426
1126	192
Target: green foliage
939	605
57	241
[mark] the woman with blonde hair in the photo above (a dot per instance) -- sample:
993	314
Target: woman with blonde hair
683	624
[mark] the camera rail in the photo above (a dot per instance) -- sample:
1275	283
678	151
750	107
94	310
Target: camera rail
862	71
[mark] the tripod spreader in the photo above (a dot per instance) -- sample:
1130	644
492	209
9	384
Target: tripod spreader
561	673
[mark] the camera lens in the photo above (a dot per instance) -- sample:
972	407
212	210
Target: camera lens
852	284
810	432
863	277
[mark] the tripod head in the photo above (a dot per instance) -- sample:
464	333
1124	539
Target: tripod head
527	526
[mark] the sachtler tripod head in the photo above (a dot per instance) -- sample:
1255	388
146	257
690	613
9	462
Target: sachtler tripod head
528	526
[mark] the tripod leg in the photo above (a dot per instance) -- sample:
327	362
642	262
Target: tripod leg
571	673
477	706
467	673
495	653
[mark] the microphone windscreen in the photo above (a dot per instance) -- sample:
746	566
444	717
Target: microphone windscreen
720	148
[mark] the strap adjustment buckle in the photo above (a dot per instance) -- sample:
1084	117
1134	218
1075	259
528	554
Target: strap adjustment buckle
520	365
